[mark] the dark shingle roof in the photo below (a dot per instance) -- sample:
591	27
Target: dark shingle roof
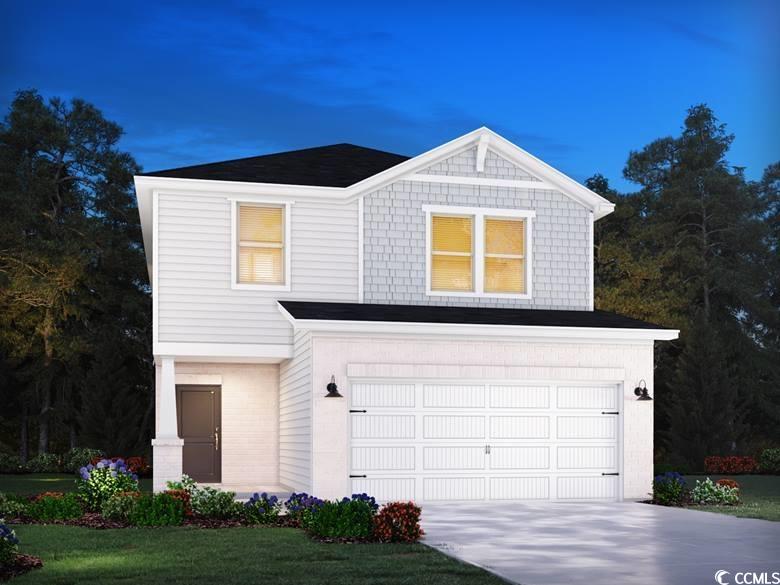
337	165
460	315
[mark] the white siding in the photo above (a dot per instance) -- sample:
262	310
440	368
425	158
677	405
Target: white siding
196	301
295	393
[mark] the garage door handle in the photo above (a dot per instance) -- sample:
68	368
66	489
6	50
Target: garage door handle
610	412
357	476
358	411
610	474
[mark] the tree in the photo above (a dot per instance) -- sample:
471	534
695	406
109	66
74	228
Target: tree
71	260
691	251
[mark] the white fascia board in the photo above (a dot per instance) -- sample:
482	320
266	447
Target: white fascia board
525	331
545	172
248	352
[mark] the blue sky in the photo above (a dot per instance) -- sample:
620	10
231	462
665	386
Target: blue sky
578	84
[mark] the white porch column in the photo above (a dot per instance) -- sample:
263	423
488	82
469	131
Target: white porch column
167	446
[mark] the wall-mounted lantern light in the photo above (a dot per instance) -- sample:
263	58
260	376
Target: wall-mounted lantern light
641	391
333	390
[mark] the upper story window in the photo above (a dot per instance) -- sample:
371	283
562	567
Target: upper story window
261	247
478	252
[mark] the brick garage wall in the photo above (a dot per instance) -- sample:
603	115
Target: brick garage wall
480	359
394	238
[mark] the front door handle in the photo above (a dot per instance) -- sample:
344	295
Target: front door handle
216	439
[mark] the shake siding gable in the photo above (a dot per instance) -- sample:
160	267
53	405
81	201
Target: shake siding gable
395	233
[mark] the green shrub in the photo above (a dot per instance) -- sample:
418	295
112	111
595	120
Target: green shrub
213	503
769	461
207	501
11	464
669	489
157	510
9	544
55	507
344	519
120	506
79	457
709	493
44	463
12	506
99	482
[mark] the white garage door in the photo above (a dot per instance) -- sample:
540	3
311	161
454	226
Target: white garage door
459	441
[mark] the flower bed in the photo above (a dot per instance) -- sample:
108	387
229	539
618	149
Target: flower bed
12	562
671	489
107	497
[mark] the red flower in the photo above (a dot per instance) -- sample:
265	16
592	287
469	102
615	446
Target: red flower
398	522
730	465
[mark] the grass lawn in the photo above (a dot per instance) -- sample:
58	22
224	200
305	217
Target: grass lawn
229	556
760	496
34	483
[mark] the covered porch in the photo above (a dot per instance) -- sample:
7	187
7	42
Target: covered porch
219	424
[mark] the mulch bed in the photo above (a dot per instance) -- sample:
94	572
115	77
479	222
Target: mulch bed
22	564
95	520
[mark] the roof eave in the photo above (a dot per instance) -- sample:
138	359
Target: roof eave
479	330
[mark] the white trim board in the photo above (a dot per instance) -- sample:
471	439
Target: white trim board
243	352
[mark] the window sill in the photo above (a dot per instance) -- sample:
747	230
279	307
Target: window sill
261	287
479	295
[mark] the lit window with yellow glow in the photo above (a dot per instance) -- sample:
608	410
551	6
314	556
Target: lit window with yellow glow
452	252
261	245
504	255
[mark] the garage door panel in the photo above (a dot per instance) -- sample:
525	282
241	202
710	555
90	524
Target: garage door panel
519	396
432	440
383	395
453	396
588	488
512	457
453	427
519	488
453	458
383	458
585	457
454	488
385	489
383	426
519	427
593	397
587	427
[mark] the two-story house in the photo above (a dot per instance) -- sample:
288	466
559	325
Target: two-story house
341	319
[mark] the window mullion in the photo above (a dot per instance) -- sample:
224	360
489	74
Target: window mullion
479	253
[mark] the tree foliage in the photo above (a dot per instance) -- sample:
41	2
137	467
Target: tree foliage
696	249
73	286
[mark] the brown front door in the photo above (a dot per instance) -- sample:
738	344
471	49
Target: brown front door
200	426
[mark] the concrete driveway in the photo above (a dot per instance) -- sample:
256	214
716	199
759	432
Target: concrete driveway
626	543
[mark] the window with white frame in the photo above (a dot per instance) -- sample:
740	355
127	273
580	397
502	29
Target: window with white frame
478	251
261	247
